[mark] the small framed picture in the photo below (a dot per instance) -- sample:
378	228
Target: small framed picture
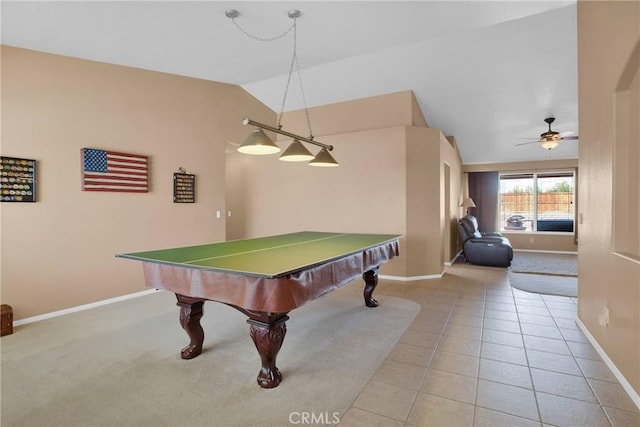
184	188
17	179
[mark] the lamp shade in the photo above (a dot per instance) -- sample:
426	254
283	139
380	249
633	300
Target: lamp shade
296	152
258	143
324	159
467	203
549	144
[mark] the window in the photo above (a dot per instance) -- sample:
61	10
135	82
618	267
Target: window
537	201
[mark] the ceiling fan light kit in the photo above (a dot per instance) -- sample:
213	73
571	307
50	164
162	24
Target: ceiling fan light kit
550	139
549	144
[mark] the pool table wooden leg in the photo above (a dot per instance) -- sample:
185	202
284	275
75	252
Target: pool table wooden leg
371	281
191	310
268	337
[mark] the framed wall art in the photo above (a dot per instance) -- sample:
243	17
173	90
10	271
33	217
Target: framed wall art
104	170
17	179
184	188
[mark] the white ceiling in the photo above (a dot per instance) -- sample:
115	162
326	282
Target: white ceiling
486	72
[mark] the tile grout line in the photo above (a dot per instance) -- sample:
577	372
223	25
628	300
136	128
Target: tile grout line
526	356
424	376
573	356
475	395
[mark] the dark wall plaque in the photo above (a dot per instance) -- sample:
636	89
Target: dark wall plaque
184	188
17	179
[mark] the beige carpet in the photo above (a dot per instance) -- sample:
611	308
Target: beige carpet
545	263
119	365
566	286
545	273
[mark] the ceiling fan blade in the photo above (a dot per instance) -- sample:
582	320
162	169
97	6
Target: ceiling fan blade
575	138
525	143
537	138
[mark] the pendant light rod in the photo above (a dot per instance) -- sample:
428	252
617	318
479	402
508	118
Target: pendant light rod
248	121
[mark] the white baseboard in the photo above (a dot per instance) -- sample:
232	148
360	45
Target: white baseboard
635	397
82	307
453	260
411	278
547	252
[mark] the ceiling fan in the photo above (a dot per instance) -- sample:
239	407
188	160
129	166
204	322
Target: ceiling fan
550	139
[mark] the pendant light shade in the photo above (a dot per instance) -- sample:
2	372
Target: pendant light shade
324	159
258	143
296	152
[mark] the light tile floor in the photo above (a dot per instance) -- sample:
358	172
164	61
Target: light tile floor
482	353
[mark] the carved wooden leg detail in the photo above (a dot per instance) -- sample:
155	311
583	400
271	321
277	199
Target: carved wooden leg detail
371	281
191	310
268	339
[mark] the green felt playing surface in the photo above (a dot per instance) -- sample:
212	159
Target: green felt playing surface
271	256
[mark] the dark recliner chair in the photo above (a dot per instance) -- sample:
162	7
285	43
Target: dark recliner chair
490	249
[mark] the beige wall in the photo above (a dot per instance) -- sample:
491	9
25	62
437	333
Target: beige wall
376	112
388	181
565	242
279	197
605	277
450	159
424	243
59	252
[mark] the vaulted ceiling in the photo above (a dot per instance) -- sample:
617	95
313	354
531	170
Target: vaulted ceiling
486	72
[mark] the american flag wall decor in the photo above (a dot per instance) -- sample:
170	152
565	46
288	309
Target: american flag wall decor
104	170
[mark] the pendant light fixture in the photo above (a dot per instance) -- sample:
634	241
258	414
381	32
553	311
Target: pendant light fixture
258	142
324	159
296	153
